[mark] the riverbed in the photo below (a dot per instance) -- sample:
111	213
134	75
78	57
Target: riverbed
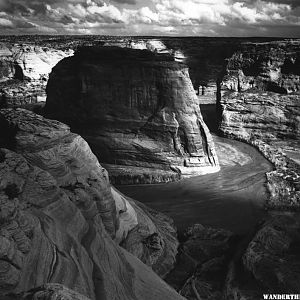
233	198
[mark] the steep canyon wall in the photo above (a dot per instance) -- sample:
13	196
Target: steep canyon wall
137	110
259	103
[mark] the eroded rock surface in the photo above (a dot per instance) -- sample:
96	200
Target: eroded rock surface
137	110
259	103
50	291
272	256
272	66
24	72
202	263
269	264
62	222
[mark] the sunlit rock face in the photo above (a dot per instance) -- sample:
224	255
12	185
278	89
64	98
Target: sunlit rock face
258	102
137	110
62	222
261	115
36	62
24	71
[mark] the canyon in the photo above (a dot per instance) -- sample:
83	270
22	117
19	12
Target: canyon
140	111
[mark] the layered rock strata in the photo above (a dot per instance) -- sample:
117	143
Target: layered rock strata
62	222
24	71
258	102
272	66
137	110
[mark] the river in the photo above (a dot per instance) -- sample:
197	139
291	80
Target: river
232	198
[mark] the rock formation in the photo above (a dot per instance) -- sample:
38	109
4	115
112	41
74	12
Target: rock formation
202	263
61	221
24	71
269	264
272	256
265	115
137	110
214	264
32	58
270	66
50	291
258	102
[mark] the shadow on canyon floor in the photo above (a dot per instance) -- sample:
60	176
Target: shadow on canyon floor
231	199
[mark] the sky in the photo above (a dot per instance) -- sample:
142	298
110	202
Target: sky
280	18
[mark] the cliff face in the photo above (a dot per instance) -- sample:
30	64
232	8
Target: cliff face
62	222
137	110
259	103
270	66
24	71
261	115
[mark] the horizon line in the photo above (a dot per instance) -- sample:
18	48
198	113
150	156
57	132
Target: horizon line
146	36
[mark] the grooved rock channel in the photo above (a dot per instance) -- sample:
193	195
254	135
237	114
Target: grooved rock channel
63	223
137	110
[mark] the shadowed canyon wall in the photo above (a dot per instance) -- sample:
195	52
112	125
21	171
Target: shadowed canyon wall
137	110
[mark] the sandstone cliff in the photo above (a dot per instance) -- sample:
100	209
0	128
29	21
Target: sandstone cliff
24	71
272	66
62	222
259	103
137	110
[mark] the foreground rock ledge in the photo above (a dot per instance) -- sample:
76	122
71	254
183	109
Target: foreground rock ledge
61	221
137	110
